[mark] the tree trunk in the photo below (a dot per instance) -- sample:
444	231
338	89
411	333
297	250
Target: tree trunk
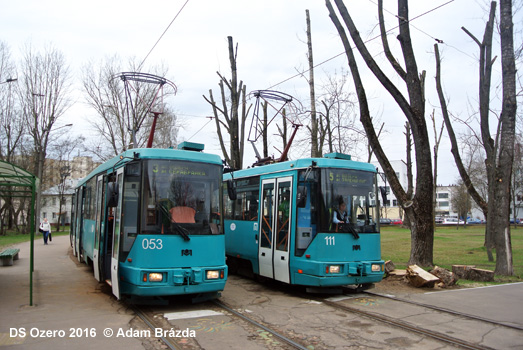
234	119
506	150
314	122
419	208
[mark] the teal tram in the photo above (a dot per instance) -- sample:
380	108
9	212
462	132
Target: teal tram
312	222
149	223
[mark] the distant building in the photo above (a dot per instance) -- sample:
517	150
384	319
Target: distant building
391	209
61	178
51	199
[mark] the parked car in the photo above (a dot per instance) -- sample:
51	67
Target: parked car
474	221
396	222
452	221
385	221
518	221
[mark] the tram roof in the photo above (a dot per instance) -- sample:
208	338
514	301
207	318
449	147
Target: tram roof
153	153
303	163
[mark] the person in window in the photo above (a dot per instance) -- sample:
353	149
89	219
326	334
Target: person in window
340	215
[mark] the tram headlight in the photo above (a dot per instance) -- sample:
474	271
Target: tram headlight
376	267
213	274
155	277
334	269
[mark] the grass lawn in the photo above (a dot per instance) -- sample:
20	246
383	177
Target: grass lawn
462	246
15	238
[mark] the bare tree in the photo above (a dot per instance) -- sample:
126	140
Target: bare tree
12	127
499	151
437	140
233	111
44	96
460	201
166	130
315	145
61	150
120	116
341	133
419	207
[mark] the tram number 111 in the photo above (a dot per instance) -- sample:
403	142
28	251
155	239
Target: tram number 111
330	240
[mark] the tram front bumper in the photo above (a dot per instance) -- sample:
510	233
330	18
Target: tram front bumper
323	274
175	281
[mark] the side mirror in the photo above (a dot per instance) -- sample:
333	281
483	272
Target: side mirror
301	197
112	193
231	190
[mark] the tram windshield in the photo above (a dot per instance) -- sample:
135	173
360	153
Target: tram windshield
349	201
181	197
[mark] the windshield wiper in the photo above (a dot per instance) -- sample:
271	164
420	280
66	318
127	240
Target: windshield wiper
181	230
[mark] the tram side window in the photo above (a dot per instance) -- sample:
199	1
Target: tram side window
131	196
245	207
90	203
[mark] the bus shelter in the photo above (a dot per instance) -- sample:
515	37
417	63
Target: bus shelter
17	183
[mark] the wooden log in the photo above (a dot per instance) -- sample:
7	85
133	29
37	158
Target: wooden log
418	277
389	267
446	277
462	271
398	275
481	275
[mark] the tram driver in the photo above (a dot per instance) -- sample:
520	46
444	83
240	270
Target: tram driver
340	215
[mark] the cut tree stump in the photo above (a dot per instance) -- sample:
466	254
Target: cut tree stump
462	271
481	275
389	267
471	272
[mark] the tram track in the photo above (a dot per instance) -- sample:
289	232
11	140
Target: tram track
445	310
280	336
404	325
173	344
153	325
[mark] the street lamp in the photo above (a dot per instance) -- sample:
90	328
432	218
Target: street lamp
9	80
63	126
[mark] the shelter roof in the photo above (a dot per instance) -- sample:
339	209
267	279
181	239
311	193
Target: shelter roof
15	181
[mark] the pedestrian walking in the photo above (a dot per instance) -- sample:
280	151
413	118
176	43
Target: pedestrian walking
45	227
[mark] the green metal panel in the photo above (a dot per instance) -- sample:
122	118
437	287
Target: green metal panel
13	184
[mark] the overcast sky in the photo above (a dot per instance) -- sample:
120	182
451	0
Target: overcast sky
271	49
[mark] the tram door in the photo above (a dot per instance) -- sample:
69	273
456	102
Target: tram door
116	236
275	214
100	200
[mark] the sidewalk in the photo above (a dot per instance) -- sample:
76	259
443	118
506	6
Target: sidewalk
67	302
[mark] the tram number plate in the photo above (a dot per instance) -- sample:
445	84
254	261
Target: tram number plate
330	240
152	243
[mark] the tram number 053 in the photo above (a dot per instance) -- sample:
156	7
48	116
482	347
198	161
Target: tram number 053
153	243
330	240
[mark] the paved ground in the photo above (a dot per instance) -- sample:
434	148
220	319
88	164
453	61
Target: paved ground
501	303
69	310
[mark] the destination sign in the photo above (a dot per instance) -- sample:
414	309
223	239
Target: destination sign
179	169
350	177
